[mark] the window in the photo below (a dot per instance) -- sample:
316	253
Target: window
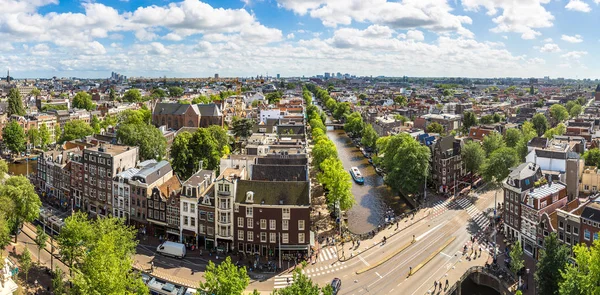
250	222
561	236
210	230
272	237
185	220
568	228
560	225
202	215
263	224
249	211
272	224
595	236
586	187
192	208
263	237
527	182
286	213
576	231
249	197
569	240
220	187
240	235
300	224
240	221
192	221
150	213
285	224
301	238
211	216
185	206
250	236
201	228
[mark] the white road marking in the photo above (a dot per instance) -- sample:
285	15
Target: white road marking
429	231
445	254
364	261
378	275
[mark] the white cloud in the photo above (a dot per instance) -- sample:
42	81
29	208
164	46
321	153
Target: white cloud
550	47
574	54
415	35
547	40
523	16
505	37
572	39
172	37
290	36
158	49
578	5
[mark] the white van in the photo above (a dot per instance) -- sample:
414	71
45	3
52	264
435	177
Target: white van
167	248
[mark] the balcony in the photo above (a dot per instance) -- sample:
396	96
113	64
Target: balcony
224	193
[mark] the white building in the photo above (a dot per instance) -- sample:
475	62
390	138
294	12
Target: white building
193	190
271	114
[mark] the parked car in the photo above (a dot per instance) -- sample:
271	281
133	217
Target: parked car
336	285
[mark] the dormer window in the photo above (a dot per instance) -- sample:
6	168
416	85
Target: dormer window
250	197
206	200
189	191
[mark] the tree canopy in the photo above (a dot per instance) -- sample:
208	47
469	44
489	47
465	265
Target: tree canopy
14	137
206	144
498	164
473	156
558	113
540	124
24	205
516	258
354	124
76	129
512	137
150	140
553	259
469	120
435	127
337	181
224	279
15	103
83	100
132	95
592	157
324	149
175	91
493	142
369	136
582	277
302	284
242	127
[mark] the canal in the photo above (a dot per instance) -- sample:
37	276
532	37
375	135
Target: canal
373	198
21	167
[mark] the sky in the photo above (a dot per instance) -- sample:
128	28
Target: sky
193	38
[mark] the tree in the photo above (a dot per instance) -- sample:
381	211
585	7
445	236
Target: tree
242	128
592	157
575	111
369	136
469	120
317	124
108	121
570	104
362	96
497	166
512	137
337	181
202	99
492	142
15	103
33	136
552	260
473	156
205	148
112	96
582	277
225	279
528	133
135	117
558	113
273	97
175	91
83	100
26	203
3	168
324	149
487	119
40	240
540	103
25	261
13	137
73	239
406	162
435	128
150	140
516	258
4	230
35	92
540	123
58	283
132	95
44	136
301	285
354	124
182	159
76	129
400	100
341	110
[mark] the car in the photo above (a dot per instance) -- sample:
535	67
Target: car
336	285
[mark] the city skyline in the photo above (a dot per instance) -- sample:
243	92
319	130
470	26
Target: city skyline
424	38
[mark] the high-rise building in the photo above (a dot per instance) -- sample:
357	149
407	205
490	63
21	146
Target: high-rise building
216	76
327	75
278	76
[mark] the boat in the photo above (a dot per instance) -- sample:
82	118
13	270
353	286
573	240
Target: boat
358	178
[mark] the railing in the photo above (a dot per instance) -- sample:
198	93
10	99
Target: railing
504	288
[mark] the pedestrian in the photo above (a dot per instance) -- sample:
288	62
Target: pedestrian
152	266
446	283
409	270
434	285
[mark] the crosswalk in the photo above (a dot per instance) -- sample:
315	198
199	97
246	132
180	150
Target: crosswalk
476	215
315	271
328	253
440	207
283	281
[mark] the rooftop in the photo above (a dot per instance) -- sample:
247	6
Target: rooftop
109	149
546	190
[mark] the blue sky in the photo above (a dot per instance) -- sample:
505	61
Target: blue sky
193	38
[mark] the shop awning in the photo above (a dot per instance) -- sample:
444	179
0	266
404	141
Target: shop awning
172	231
294	247
187	232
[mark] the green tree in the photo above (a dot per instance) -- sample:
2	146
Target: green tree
76	129
369	136
337	181
108	121
182	158
58	283
493	142
274	97
552	260
175	91
112	96
150	140
15	103
406	162
558	113
25	262
301	284
324	149
44	136
487	119
362	96
225	279
575	111
33	136
516	258
204	147
83	100
341	110
73	239
528	133
435	128
400	100
540	123
13	137
512	137
35	92
95	123
242	128
4	229
132	95
40	240
354	124
25	205
498	164
473	156
582	277
317	124
540	103
469	120
592	157
202	99
570	104
135	117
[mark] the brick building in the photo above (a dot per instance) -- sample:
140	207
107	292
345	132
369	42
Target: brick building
176	115
447	166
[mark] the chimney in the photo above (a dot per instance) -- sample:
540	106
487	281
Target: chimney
200	163
549	180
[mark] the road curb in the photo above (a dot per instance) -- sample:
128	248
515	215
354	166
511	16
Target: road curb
378	243
430	257
386	259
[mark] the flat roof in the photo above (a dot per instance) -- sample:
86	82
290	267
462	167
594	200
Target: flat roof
546	190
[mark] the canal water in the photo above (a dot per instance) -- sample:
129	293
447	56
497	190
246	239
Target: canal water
21	168
373	198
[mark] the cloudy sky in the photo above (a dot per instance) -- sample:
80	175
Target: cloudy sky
193	38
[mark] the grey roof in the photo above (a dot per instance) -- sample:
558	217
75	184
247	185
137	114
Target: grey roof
127	174
294	159
274	192
208	110
523	171
279	172
547	189
165	108
146	163
591	212
539	142
149	173
198	177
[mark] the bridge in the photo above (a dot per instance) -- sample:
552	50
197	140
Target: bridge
336	126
